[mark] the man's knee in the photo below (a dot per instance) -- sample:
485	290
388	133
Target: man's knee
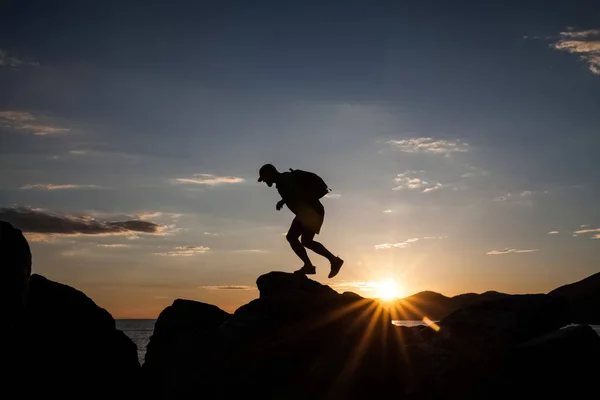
307	241
291	238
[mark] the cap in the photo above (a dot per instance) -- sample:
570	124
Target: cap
264	170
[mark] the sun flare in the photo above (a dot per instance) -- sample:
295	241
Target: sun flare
387	289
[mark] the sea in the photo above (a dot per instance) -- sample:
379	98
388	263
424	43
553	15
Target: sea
140	330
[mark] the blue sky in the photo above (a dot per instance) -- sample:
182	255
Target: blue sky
454	137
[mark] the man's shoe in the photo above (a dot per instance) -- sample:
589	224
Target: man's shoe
336	264
307	270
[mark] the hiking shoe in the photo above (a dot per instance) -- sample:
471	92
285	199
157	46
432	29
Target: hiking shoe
307	270
336	264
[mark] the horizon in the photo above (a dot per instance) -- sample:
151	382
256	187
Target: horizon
460	143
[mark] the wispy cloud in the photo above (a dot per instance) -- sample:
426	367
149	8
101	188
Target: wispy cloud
184	251
388	211
411	180
522	197
399	245
584	231
25	121
42	225
7	60
509	251
553	233
228	287
208	179
256	251
50	186
211	234
362	286
157	215
429	145
585	43
115	245
333	196
595	231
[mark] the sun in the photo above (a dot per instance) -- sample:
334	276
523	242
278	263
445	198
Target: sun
387	289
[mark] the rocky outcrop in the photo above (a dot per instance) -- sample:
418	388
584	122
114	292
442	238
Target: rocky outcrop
68	347
583	298
301	339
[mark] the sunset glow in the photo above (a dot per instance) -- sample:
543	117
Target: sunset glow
387	289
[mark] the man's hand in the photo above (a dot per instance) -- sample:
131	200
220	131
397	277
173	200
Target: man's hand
280	204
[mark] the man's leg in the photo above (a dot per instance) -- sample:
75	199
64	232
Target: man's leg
292	237
309	242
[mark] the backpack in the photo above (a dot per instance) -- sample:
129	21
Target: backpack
311	183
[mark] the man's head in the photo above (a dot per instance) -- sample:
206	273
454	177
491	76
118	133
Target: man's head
268	174
15	261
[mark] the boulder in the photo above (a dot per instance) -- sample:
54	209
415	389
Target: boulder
561	363
583	298
69	346
182	346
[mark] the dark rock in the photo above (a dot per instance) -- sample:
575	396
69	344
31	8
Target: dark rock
301	339
69	347
467	356
583	298
560	363
184	342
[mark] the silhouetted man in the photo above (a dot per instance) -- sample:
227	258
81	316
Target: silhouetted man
300	191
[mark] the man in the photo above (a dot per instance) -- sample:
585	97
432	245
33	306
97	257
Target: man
299	197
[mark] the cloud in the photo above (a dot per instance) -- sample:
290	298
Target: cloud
595	231
114	245
508	251
257	251
211	234
580	34
429	145
211	180
582	231
524	197
153	215
42	225
24	121
184	251
410	180
228	287
388	211
333	196
50	186
399	245
585	43
362	286
7	60
553	232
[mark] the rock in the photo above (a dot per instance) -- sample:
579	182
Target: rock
563	362
69	346
583	298
468	355
184	342
299	339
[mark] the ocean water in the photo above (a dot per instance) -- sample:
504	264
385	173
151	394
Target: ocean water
140	330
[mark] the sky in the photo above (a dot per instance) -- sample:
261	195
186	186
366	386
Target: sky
460	142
